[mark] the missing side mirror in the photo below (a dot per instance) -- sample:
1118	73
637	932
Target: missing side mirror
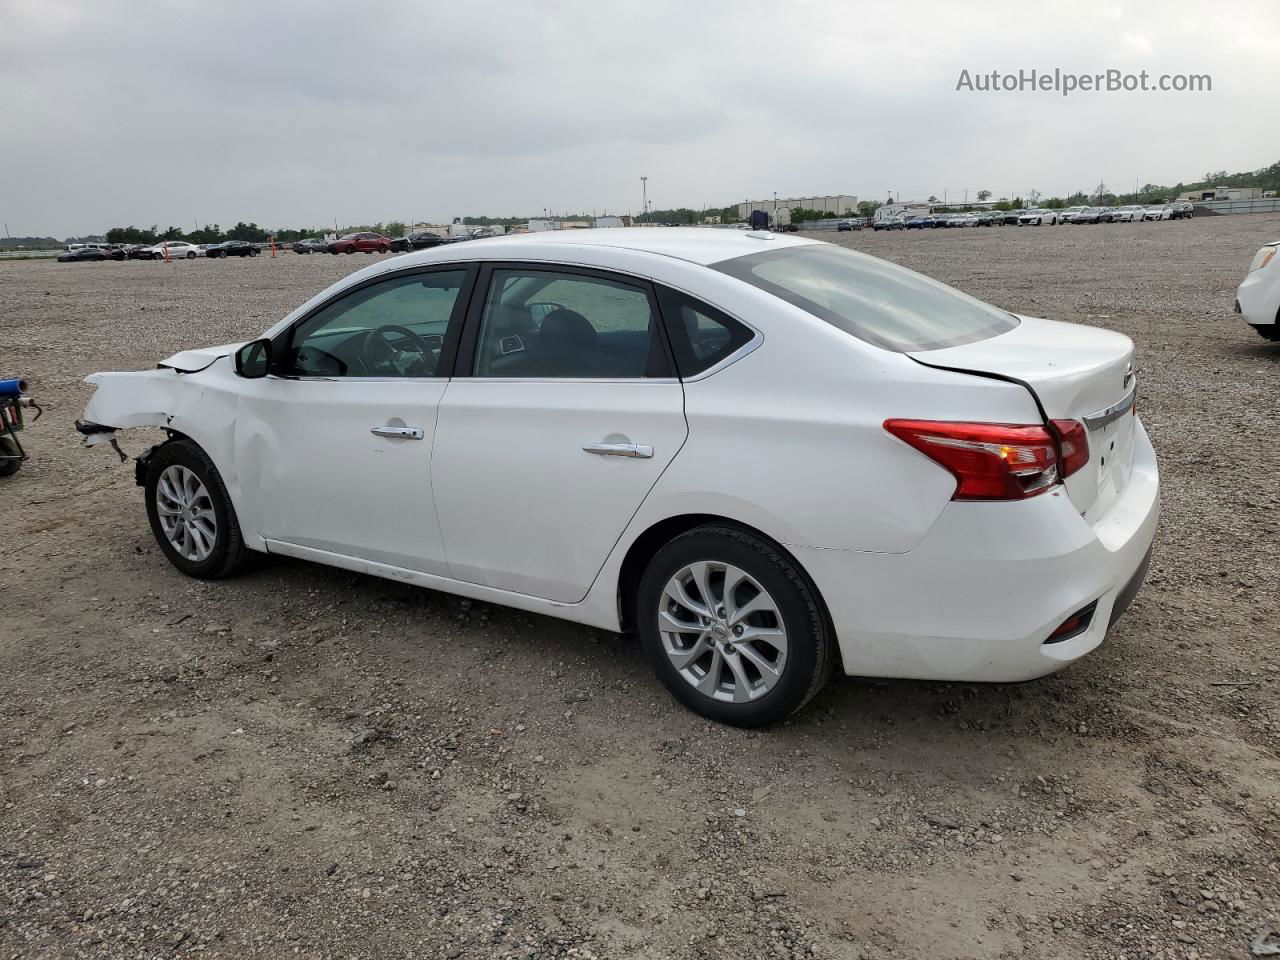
253	360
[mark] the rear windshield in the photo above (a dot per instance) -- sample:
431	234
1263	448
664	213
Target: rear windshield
874	300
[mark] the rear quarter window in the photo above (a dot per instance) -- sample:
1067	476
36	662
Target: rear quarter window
869	298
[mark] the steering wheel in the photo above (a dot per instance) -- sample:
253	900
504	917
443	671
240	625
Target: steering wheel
377	335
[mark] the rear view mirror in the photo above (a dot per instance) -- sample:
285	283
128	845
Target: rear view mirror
253	360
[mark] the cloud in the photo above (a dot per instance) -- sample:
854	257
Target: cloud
295	113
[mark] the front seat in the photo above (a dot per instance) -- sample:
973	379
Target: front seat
566	346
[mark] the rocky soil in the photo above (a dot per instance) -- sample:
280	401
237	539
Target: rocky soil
301	762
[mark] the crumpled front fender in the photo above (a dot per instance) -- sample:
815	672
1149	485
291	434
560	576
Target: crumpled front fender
144	398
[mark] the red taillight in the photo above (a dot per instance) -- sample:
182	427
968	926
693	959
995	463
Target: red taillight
1073	444
990	461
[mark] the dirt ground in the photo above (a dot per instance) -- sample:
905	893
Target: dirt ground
303	762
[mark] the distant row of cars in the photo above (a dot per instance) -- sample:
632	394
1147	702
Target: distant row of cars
165	250
368	242
1038	216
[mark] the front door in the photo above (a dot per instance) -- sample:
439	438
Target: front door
564	412
338	439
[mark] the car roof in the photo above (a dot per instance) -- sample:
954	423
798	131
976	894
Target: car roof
701	245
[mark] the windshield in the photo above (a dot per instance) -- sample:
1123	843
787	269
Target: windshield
872	299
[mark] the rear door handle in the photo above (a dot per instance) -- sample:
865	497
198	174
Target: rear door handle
402	433
640	450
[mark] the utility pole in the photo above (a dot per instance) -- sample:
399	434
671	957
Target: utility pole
644	197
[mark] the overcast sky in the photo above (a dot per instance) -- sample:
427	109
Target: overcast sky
299	114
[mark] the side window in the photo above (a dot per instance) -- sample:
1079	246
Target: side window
701	336
546	324
394	328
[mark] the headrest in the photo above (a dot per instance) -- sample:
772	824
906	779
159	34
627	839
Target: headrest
566	328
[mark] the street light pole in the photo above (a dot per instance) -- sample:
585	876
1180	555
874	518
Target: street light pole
644	197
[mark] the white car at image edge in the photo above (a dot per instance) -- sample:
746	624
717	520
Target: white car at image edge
765	455
1258	298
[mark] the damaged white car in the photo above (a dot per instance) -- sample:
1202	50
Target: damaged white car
767	455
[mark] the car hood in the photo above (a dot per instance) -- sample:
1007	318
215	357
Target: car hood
190	361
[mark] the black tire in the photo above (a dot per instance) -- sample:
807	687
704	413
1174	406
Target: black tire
229	552
811	648
351	249
191	254
9	449
253	252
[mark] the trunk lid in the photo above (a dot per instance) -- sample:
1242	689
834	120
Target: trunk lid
1076	373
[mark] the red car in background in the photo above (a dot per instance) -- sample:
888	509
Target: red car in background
362	242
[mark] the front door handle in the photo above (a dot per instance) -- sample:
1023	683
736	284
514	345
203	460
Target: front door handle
641	450
401	433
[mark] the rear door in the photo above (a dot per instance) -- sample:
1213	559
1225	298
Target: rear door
563	412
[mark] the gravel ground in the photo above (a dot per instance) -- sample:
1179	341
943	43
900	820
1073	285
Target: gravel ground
303	762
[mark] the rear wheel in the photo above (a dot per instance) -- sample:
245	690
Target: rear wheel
191	254
733	628
253	252
191	514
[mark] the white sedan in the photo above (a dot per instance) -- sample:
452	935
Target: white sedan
1037	217
1128	214
767	455
1258	298
175	250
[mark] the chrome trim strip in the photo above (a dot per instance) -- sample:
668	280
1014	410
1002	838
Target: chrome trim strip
1101	418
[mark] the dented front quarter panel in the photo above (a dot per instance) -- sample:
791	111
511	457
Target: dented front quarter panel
200	405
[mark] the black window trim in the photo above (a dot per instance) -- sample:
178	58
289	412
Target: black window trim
756	339
465	357
453	331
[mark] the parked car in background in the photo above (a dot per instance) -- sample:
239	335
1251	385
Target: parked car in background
573	467
1038	216
1106	214
177	250
1161	212
417	241
1087	215
85	253
233	248
1011	217
984	218
849	224
1130	213
1258	298
919	223
361	243
311	245
889	223
1183	210
1069	214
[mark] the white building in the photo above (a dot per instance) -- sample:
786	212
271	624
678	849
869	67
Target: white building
836	205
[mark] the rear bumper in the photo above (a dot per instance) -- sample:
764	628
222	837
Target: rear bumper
979	596
1258	298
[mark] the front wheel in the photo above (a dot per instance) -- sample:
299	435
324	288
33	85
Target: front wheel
733	627
191	514
191	255
9	449
253	252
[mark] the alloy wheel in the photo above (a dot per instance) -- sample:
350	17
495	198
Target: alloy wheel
722	631
186	513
